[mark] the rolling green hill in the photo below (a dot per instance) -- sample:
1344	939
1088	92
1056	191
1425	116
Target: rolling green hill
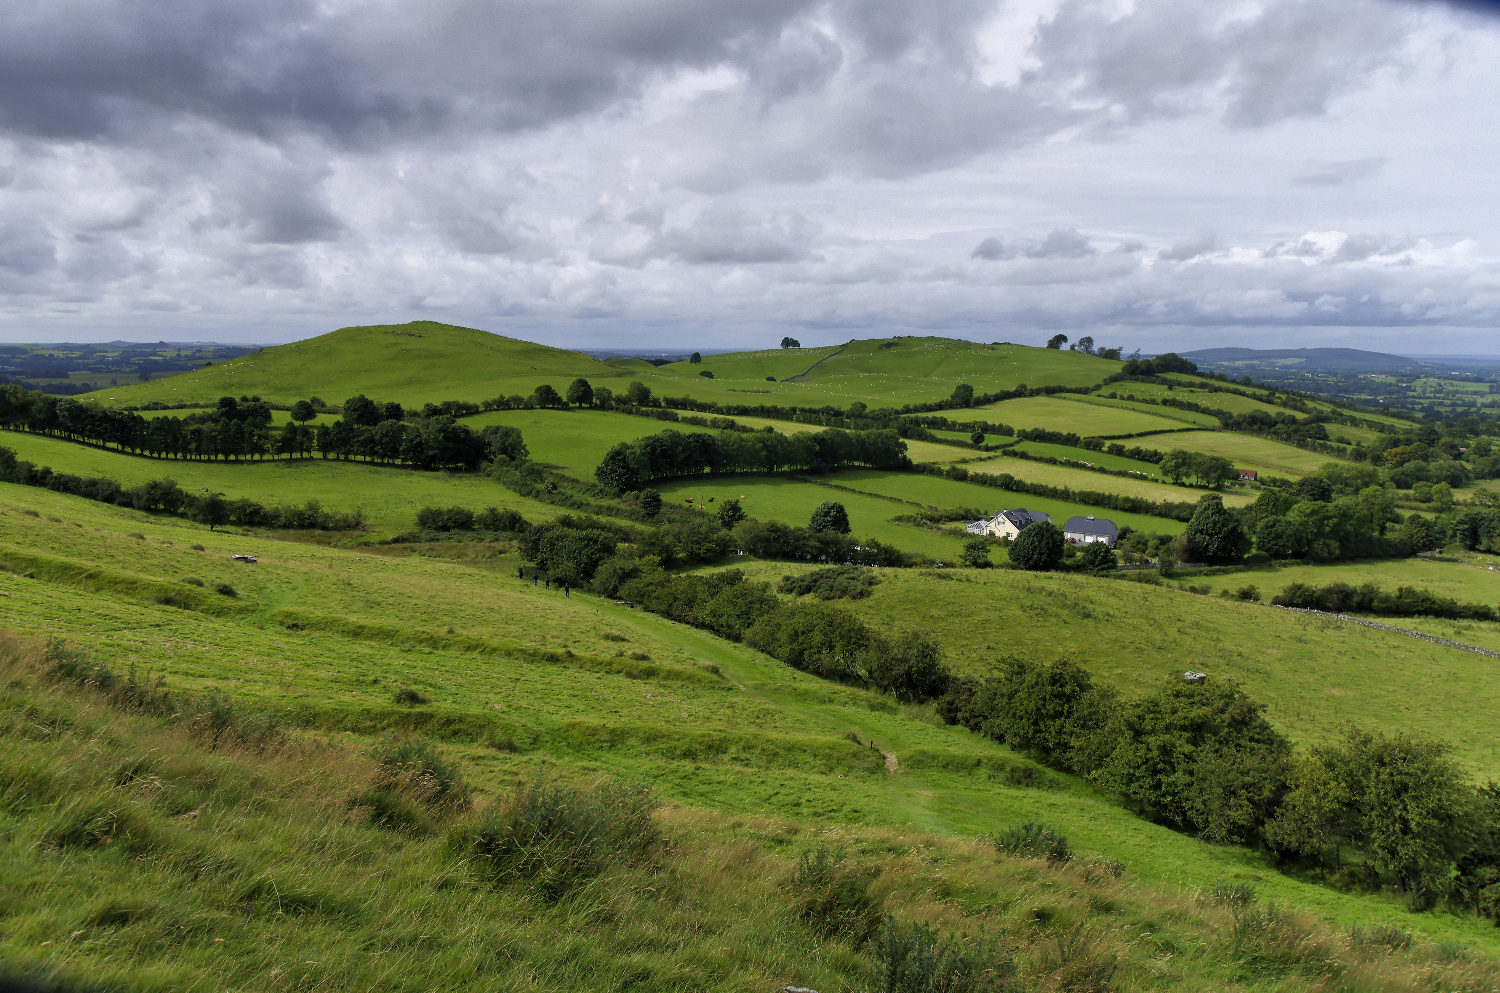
518	680
425	362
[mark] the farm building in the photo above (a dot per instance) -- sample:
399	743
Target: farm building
1009	523
1081	530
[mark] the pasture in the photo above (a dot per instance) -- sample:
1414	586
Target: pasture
329	635
389	496
1082	479
1084	419
1250	452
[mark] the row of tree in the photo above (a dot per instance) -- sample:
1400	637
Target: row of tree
1203	758
1369	598
164	496
673	454
816	638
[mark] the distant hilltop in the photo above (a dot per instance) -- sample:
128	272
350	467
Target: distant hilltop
1322	359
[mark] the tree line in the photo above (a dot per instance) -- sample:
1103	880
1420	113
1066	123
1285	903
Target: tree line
164	496
1180	511
673	454
1203	758
241	428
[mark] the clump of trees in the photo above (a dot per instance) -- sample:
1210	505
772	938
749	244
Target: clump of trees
813	637
672	454
840	582
1201	757
1212	471
464	519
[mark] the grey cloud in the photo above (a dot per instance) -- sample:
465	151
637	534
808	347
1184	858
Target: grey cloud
1167	58
1340	173
1192	248
1061	244
26	248
990	248
726	234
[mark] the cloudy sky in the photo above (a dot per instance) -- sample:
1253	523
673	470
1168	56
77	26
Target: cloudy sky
672	173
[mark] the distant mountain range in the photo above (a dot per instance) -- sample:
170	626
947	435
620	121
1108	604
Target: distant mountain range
1309	359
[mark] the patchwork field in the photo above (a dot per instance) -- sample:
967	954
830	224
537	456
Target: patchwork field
1082	479
1249	452
388	496
1084	419
331	634
1185	417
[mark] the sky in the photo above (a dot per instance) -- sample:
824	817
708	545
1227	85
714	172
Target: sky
665	174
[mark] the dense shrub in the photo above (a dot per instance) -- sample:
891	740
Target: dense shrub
914	958
554	838
418	769
832	898
1033	840
1038	547
1369	598
837	583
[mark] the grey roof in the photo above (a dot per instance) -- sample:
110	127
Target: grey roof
1091	525
1021	518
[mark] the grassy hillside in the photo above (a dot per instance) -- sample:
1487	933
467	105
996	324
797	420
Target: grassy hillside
1059	413
1082	479
520	679
412	363
427	362
1249	452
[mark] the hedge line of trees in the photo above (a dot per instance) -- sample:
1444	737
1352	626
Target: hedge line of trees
1369	598
672	454
164	496
1178	511
813	637
1203	758
236	429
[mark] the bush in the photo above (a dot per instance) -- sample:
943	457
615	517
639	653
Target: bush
1033	840
914	959
410	697
446	519
554	838
224	589
850	582
415	767
830	516
832	899
192	581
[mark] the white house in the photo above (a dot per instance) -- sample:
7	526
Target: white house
1009	523
1081	530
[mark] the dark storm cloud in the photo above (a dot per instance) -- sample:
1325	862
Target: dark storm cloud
26	248
991	248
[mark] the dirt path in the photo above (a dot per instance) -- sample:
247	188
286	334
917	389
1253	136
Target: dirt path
891	765
825	358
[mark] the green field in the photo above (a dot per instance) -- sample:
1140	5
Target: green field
1183	417
1082	479
1102	459
792	500
1084	419
574	440
389	496
330	633
1249	452
942	494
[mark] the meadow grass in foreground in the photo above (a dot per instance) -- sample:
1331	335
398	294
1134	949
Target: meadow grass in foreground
242	869
519	678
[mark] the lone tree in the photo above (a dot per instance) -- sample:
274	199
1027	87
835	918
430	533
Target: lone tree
790	343
695	358
963	395
830	517
302	411
212	510
730	513
1038	547
650	503
977	437
1057	341
638	394
976	553
580	393
1215	535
